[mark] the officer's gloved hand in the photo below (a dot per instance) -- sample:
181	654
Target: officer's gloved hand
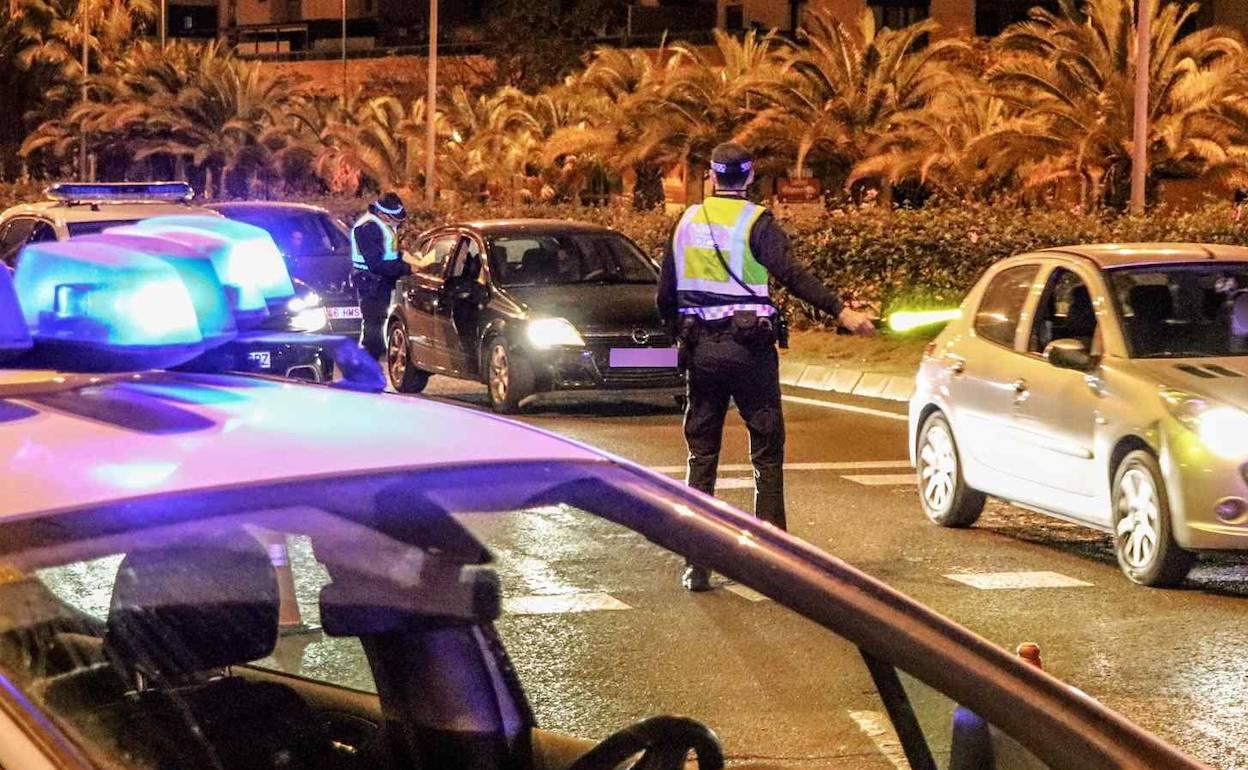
856	323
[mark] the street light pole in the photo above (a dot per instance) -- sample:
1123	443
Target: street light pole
431	106
164	21
344	54
82	131
1139	150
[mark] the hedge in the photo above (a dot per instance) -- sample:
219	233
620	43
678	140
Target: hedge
881	257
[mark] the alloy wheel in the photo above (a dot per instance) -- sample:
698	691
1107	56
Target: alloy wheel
1138	524
396	355
938	468
500	373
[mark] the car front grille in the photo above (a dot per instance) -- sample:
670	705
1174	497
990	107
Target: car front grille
600	346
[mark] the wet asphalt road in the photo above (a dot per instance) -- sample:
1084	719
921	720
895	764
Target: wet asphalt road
782	693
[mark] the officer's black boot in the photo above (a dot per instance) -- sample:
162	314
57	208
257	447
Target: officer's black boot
696	578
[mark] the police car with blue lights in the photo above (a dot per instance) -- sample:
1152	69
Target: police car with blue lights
121	212
164	523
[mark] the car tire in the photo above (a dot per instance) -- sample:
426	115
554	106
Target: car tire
1143	534
403	376
508	376
943	492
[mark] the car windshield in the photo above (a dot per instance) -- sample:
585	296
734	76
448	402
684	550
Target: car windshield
91	228
1197	310
574	258
296	232
431	619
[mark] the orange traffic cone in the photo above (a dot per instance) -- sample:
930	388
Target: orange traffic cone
1030	652
289	618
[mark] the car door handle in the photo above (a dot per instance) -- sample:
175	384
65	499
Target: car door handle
1020	386
957	367
1021	394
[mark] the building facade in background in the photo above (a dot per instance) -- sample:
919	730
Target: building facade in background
279	26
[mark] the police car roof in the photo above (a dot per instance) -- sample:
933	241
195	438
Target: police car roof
227	207
60	211
74	441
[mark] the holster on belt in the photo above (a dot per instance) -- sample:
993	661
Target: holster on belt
749	328
369	284
686	338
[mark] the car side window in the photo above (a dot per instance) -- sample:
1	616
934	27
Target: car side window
1002	304
434	256
1066	312
41	233
12	236
468	259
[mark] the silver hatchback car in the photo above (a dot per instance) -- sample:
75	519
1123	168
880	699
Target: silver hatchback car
1105	385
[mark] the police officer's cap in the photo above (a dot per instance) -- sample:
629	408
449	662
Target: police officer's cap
731	159
391	205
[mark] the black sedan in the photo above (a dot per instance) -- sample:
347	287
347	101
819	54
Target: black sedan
317	248
533	309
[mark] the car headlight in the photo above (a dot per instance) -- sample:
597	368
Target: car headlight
307	313
1222	429
552	332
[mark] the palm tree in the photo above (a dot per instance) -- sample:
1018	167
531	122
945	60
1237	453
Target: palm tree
701	102
1071	74
843	87
616	90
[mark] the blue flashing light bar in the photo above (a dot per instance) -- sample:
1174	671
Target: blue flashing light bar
216	317
103	308
254	260
14	333
119	192
245	299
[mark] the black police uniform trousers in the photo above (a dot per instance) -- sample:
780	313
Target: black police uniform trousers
373	293
720	368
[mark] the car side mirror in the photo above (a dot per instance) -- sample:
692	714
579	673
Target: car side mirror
1070	354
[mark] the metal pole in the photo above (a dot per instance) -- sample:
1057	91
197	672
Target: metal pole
431	106
1139	150
164	22
82	132
344	54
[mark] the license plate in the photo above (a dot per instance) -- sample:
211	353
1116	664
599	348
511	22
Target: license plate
344	312
643	358
262	358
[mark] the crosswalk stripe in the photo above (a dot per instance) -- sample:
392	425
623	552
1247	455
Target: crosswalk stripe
562	604
857	465
745	592
734	484
883	480
989	581
879	729
846	408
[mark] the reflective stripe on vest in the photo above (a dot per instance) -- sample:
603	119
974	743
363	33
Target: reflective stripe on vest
698	269
391	252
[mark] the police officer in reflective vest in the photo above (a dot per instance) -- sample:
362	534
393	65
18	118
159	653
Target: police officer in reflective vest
376	265
714	289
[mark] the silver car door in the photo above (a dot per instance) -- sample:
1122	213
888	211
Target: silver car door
1056	410
983	367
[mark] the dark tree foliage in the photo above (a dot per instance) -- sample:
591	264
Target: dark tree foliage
537	43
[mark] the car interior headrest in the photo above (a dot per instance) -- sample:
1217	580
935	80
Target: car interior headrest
1151	303
359	605
194	606
1081	316
538	260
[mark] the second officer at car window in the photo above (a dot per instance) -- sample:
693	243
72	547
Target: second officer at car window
376	265
713	288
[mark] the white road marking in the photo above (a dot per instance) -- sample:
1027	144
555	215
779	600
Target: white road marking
991	581
859	465
745	592
734	484
877	727
883	480
846	408
562	604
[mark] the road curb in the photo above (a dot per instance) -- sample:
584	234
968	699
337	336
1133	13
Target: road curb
848	381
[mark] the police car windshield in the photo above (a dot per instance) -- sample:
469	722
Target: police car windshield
1183	311
98	226
297	233
561	260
